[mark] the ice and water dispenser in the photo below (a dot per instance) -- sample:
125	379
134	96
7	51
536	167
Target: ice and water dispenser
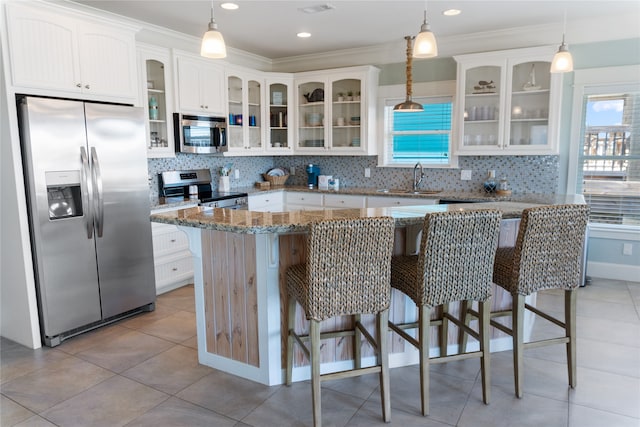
64	194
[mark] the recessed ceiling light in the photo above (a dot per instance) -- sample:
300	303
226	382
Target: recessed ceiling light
319	8
229	6
452	12
304	35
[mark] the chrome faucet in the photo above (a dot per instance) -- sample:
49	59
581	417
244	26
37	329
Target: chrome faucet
416	180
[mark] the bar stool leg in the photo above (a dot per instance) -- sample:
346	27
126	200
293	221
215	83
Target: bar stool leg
383	358
357	343
291	321
314	334
462	335
424	319
518	344
444	331
570	298
485	348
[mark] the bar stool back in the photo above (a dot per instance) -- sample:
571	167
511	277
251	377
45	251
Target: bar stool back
548	255
348	272
455	263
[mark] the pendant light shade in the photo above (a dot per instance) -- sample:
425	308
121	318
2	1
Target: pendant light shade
562	60
212	42
408	105
425	45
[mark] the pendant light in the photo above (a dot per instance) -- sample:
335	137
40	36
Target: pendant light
408	105
212	42
425	45
562	60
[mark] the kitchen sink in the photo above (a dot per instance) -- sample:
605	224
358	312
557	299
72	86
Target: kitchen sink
417	192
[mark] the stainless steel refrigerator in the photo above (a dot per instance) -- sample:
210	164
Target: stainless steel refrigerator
87	189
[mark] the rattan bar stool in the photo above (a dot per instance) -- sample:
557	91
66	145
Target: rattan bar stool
548	255
348	272
455	263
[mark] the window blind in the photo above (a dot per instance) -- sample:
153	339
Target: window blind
421	136
609	161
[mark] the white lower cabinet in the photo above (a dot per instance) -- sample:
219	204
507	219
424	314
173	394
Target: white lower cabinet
267	202
385	202
172	258
341	201
302	201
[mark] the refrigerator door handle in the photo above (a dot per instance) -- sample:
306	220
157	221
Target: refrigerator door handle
99	195
87	189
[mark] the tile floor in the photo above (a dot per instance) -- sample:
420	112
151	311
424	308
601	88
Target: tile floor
144	372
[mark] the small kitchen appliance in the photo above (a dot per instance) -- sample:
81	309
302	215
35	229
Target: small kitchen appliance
178	184
200	134
313	171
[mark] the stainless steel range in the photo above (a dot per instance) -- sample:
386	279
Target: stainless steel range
197	184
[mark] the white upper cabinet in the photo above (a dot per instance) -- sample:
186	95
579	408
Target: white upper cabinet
200	85
67	54
508	103
156	83
245	98
336	111
279	135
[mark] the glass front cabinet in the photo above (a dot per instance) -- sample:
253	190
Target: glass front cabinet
245	122
336	111
155	83
508	103
280	99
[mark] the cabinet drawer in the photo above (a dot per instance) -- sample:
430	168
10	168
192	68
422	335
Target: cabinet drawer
169	241
342	201
174	270
269	202
384	202
306	199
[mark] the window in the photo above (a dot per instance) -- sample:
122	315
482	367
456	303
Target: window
609	157
418	137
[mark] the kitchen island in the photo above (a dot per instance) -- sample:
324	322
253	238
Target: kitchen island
240	261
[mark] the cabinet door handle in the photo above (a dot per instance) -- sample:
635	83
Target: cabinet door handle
87	87
78	84
174	269
173	240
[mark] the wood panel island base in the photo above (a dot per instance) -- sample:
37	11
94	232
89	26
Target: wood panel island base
240	259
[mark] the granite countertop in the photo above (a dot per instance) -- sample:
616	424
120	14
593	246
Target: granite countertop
251	222
462	196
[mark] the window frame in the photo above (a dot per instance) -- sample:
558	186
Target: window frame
393	94
597	81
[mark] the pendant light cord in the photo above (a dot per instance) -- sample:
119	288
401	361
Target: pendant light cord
409	66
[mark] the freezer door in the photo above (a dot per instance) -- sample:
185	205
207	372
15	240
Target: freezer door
53	138
116	143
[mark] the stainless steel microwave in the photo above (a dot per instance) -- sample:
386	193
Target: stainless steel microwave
200	134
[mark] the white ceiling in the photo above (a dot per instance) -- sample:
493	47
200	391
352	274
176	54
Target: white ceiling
268	28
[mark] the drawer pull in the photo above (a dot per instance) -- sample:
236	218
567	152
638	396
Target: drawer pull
173	240
174	269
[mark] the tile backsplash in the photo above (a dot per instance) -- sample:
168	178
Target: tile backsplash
526	174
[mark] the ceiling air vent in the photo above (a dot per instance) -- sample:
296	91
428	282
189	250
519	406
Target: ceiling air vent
317	8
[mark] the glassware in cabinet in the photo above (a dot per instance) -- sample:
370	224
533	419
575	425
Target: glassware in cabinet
529	104
155	84
235	133
346	111
254	119
482	106
311	115
244	128
278	116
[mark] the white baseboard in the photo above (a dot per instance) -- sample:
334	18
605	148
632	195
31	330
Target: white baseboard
613	271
